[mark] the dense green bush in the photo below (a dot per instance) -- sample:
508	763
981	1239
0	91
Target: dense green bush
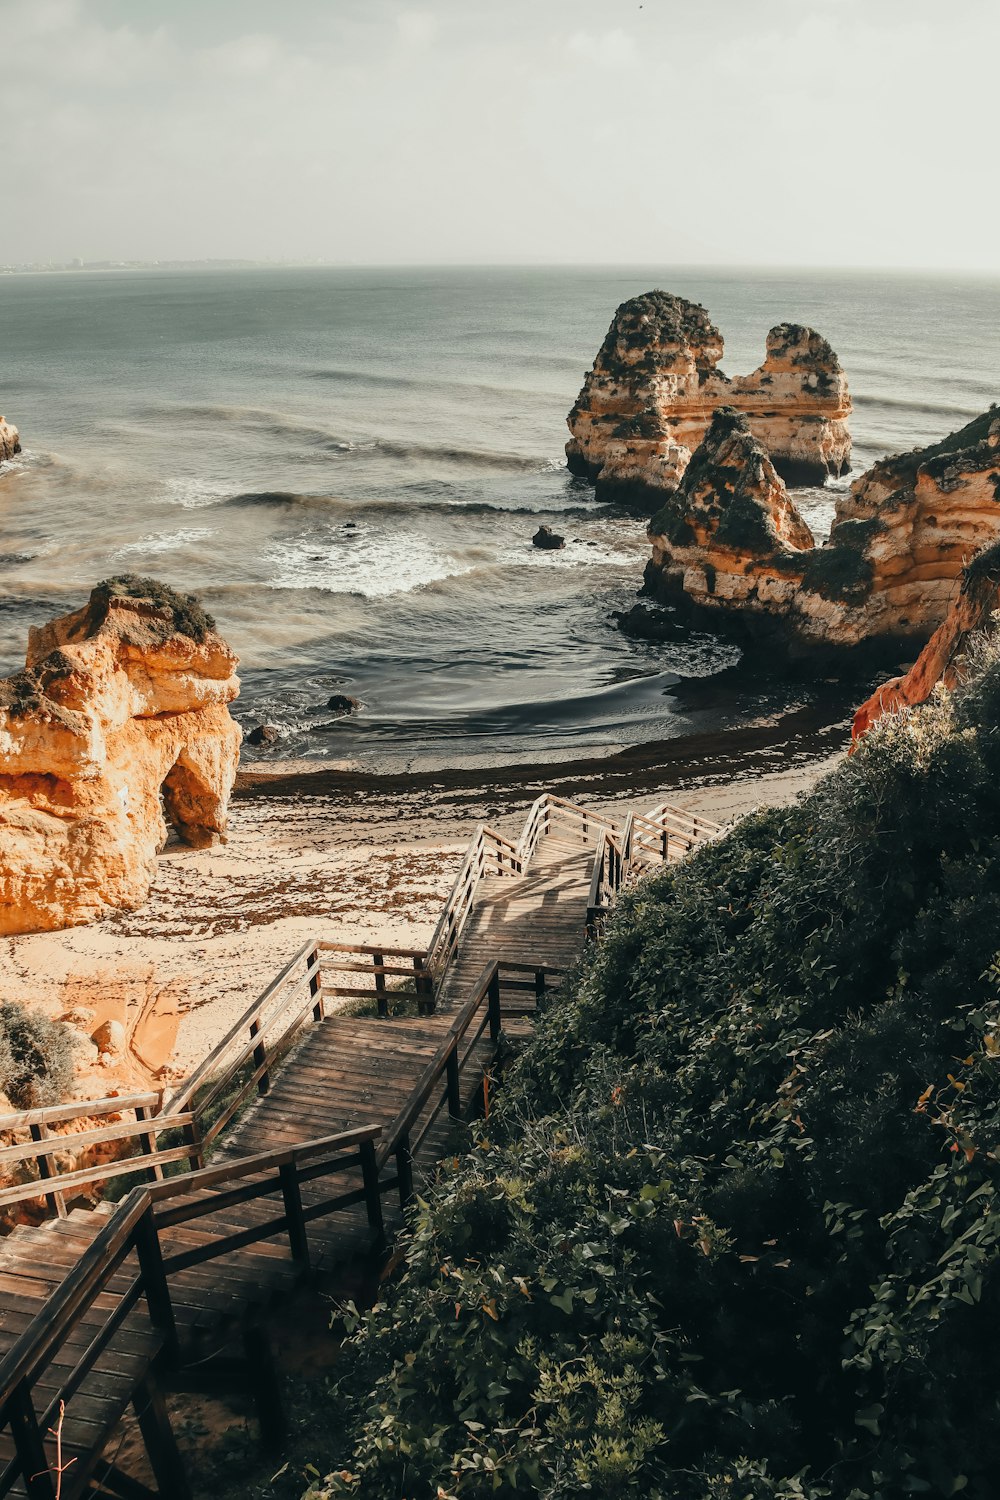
36	1057
734	1227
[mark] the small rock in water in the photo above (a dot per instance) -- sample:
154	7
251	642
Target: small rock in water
264	734
547	538
649	624
343	703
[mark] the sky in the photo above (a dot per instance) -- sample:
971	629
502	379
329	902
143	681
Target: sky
743	132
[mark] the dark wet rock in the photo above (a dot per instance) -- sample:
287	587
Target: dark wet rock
264	734
548	539
643	624
343	703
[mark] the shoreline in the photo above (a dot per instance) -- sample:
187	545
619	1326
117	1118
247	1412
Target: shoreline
704	759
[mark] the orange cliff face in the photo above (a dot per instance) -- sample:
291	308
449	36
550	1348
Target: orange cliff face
120	715
10	442
943	658
899	544
648	401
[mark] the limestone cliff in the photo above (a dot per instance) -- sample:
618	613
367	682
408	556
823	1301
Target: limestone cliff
648	400
889	571
925	514
10	442
944	657
119	722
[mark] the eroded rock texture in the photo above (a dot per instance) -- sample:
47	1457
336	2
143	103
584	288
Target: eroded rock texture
944	657
648	400
118	723
888	572
729	536
10	442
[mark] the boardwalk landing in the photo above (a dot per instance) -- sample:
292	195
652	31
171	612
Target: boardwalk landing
536	917
96	1304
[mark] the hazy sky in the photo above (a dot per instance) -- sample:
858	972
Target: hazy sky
781	132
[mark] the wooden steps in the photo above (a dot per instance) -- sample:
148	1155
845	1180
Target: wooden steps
538	917
342	1109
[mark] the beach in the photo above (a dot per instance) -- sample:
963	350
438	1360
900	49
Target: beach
320	852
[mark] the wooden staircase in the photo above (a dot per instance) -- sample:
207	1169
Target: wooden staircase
319	1124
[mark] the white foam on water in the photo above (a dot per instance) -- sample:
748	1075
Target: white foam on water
152	546
368	564
193	494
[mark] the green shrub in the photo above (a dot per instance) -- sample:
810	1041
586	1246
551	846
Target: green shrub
733	1228
36	1057
188	617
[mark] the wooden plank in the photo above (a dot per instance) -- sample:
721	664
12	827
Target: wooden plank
100	1173
58	1114
101	1133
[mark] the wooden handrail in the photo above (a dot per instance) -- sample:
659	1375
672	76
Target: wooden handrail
475	866
270	1024
78	1109
133	1229
180	1098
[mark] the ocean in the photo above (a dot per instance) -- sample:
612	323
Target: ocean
347	466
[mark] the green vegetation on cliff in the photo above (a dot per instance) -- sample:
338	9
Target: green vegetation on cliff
186	612
733	1229
36	1057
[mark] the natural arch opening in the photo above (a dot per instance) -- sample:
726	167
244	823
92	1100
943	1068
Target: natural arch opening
190	805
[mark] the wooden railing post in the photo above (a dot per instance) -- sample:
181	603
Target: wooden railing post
383	1003
28	1442
45	1172
373	1199
291	1192
316	986
454	1084
147	1145
154	1281
404	1171
259	1059
493	1001
424	982
196	1155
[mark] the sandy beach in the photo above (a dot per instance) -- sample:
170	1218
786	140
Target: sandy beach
315	850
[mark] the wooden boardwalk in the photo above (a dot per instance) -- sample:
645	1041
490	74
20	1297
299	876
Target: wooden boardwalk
537	917
320	1122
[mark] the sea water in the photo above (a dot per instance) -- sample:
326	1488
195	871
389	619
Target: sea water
347	466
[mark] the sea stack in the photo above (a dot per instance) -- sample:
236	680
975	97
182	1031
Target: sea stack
119	717
729	536
10	442
730	542
648	400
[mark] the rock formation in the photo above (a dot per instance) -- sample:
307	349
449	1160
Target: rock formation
119	722
943	658
729	536
648	400
10	443
899	542
548	540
